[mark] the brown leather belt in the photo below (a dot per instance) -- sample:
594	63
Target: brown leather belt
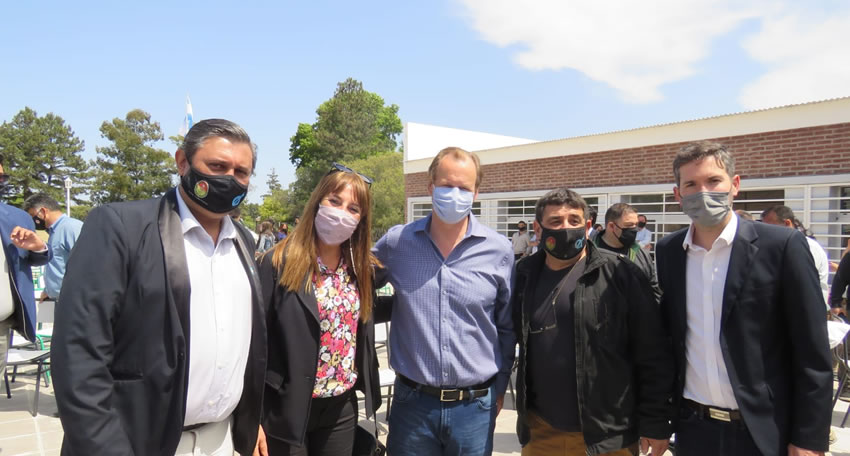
715	413
451	394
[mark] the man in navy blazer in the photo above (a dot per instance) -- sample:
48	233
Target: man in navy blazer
754	373
22	249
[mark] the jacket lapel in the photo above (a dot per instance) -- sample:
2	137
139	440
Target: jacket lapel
176	269
743	252
678	261
308	298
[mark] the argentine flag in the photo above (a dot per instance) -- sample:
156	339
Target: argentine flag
187	121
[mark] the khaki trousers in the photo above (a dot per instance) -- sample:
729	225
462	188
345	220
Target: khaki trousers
548	441
213	439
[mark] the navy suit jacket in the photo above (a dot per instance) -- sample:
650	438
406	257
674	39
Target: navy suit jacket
772	333
20	261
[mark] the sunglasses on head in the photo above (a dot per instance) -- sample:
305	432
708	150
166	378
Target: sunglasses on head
336	167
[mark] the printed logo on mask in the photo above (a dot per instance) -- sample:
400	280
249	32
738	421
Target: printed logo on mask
237	200
550	242
579	243
202	189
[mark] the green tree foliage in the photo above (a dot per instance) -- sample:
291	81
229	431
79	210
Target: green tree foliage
274	206
387	189
132	168
250	212
273	182
39	153
353	125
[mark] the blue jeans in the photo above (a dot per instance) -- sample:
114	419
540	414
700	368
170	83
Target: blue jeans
422	425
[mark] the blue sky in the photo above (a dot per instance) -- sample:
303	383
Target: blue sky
542	69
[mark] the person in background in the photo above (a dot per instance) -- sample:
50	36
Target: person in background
593	230
783	216
319	286
22	249
619	237
282	232
744	215
266	239
644	235
520	240
63	230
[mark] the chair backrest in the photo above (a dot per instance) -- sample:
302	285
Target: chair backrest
46	311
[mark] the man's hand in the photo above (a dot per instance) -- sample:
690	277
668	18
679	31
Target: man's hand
836	311
27	240
43	296
797	451
657	447
500	401
261	449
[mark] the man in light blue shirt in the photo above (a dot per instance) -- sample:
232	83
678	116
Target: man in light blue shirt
63	231
452	343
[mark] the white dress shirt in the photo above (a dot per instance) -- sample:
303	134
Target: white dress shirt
822	264
706	377
220	320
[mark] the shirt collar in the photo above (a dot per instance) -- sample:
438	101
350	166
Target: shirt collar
328	271
474	228
725	239
188	221
52	228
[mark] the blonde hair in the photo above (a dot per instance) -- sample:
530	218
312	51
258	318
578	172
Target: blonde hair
458	154
297	254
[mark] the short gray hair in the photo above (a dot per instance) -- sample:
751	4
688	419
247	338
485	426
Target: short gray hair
703	149
216	128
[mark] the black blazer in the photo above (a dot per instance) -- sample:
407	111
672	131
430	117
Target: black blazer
121	341
772	333
293	335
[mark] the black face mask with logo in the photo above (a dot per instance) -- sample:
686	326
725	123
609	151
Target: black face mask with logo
564	244
218	194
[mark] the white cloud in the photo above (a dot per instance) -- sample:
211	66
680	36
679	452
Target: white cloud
638	47
807	55
635	47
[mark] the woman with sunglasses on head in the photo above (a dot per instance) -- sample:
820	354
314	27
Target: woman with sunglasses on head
319	286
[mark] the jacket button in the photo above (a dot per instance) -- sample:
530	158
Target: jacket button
181	355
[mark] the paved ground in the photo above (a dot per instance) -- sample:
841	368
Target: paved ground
23	434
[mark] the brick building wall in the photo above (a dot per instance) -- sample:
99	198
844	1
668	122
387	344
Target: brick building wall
821	150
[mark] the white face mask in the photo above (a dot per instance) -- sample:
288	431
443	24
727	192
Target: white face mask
452	204
334	226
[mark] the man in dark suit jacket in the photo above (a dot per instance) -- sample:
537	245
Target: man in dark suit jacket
753	366
159	345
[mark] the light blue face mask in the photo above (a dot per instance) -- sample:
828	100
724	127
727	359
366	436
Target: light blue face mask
452	204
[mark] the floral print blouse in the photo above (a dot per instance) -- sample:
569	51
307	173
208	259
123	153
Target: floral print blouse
339	309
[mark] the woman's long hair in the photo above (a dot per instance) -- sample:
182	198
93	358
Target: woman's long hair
298	253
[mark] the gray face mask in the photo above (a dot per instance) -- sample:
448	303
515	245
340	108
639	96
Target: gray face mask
707	208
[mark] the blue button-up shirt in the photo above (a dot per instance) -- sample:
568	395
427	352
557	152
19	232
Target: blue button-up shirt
451	319
63	235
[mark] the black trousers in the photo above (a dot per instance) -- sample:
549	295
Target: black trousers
700	436
330	429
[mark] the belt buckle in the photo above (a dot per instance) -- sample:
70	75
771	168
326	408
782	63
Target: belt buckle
721	415
443	395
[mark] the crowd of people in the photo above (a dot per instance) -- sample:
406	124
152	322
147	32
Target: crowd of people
180	332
